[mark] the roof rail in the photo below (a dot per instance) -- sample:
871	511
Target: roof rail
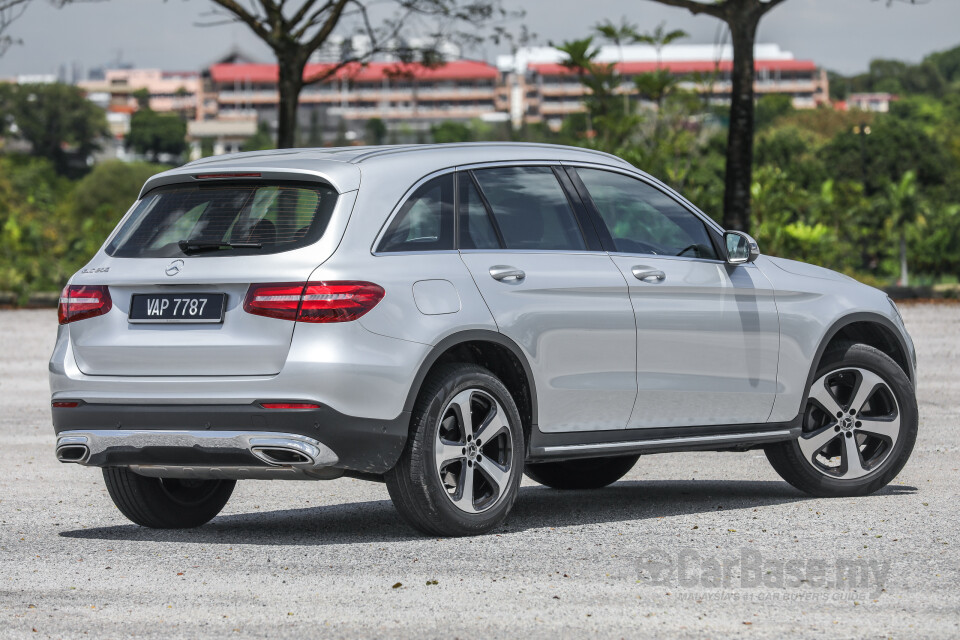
389	150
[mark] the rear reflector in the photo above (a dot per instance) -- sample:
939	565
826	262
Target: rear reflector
65	405
289	405
340	301
79	302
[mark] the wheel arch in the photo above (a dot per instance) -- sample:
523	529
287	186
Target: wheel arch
491	350
868	328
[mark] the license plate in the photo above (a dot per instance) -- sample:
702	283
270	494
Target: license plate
177	307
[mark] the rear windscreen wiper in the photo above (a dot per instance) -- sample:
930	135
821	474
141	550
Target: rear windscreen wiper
194	247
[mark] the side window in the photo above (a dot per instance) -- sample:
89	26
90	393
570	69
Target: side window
643	219
425	221
476	227
531	208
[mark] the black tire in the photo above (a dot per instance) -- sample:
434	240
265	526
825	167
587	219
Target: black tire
166	503
589	473
805	473
423	499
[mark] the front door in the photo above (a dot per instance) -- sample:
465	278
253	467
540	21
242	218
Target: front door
707	332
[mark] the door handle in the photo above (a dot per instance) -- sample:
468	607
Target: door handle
646	273
505	273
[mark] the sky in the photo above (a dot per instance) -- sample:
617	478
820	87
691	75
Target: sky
841	35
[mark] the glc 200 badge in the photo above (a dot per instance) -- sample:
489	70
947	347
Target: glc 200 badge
174	267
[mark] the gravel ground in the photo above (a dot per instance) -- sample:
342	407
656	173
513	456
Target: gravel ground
695	544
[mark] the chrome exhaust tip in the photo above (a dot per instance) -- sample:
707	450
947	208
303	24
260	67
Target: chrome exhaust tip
73	449
283	452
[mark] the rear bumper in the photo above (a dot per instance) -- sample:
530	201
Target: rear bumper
228	437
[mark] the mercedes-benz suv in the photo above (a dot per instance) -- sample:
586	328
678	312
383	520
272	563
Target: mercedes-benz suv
446	318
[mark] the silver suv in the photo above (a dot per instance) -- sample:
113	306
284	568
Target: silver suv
445	318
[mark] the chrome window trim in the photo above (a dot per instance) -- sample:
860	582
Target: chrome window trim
659	256
579	252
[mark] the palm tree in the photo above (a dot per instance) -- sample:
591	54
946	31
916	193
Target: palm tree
580	57
659	38
904	207
658	83
624	33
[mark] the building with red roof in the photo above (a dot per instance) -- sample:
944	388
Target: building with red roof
395	92
541	89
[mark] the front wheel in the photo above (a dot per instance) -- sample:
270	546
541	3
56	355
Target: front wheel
166	503
460	471
859	426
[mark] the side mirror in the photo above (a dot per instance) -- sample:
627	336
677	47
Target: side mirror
741	248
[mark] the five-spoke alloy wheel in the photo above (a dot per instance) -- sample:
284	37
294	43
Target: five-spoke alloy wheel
851	423
461	468
474	451
859	425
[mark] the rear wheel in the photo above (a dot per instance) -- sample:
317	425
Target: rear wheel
589	473
460	471
166	503
859	426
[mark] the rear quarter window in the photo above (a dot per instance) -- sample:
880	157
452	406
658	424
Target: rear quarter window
268	218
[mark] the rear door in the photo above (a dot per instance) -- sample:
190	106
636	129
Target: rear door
274	228
550	289
707	332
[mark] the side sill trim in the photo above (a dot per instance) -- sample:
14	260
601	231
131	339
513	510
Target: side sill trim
720	441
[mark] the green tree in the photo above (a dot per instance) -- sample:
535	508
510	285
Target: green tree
376	131
580	56
659	38
742	17
142	96
619	35
262	140
771	107
98	202
59	123
153	133
884	151
947	63
904	205
450	131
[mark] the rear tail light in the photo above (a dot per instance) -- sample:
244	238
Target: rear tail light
79	302
65	404
341	301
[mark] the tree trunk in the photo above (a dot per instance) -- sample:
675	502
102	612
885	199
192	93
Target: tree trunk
904	276
290	84
739	171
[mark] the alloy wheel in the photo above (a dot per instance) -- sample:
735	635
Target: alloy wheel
473	451
851	423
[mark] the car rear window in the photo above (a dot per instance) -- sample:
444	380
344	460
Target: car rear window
204	220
